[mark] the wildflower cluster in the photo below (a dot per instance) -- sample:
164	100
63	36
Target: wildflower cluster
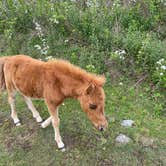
161	66
160	72
92	3
132	1
118	54
73	0
54	19
49	58
43	48
116	4
66	41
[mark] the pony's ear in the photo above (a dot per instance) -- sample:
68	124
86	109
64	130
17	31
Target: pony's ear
101	80
86	89
90	89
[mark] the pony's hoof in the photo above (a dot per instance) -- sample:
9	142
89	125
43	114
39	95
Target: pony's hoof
61	146
43	125
63	149
18	124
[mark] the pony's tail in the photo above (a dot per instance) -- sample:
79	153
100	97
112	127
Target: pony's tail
2	77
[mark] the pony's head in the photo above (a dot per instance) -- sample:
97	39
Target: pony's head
92	100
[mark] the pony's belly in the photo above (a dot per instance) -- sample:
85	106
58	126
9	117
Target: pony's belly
32	94
29	89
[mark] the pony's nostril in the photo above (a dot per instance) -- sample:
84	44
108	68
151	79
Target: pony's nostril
101	128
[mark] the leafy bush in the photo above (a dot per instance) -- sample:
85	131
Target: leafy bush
89	33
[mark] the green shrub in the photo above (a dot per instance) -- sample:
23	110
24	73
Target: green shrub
89	33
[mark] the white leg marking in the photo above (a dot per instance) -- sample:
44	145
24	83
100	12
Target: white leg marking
35	113
13	110
53	110
46	122
55	123
57	133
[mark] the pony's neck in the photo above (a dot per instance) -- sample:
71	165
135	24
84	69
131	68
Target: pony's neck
71	79
73	87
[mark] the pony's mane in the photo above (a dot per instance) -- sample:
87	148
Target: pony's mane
75	71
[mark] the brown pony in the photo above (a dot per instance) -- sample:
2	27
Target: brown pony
52	81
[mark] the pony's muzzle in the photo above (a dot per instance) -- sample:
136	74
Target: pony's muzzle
101	128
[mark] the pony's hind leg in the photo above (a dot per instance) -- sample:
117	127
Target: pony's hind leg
11	100
35	113
46	122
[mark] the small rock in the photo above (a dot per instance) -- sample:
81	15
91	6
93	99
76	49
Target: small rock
127	123
122	139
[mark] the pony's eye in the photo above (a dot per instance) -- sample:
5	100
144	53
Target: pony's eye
92	106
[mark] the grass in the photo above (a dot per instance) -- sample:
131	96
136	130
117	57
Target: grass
31	145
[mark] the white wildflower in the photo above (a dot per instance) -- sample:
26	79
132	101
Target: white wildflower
91	3
120	83
114	4
139	52
132	1
66	41
56	21
10	35
37	46
44	52
38	27
49	57
161	74
116	52
163	67
43	47
122	52
158	62
122	57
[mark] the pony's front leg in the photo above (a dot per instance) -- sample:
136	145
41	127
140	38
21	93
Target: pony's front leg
55	123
